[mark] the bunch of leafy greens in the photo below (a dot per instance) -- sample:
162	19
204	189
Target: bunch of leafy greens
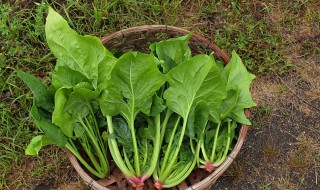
204	101
162	114
68	112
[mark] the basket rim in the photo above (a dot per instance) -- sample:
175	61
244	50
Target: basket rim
209	180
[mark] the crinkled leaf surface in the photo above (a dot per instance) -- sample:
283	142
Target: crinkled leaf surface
80	53
134	81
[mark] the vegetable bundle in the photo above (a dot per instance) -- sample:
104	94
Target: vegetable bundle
161	114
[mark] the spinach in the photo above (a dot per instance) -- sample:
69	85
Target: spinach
208	99
161	114
134	81
67	113
237	82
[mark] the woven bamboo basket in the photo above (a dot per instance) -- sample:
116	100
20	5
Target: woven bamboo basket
139	39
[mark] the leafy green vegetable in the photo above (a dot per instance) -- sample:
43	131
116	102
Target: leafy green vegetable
236	76
67	114
237	82
80	53
134	81
172	52
161	114
190	83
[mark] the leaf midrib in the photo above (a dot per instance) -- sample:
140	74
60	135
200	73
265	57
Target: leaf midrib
132	93
71	56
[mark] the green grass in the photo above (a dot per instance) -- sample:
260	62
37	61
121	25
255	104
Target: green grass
254	29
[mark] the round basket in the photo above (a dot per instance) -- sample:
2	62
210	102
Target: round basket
138	39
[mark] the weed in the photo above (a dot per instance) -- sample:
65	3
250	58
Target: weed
265	186
261	116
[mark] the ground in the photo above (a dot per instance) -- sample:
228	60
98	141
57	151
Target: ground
279	41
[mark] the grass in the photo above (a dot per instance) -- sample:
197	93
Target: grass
258	31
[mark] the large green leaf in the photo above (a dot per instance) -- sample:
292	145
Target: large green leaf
236	76
201	119
173	51
80	53
134	81
43	96
213	91
194	81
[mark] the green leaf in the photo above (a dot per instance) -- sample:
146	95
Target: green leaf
193	81
40	91
201	118
209	135
213	91
239	116
236	76
134	81
52	131
61	118
78	130
185	153
223	137
157	106
123	134
104	73
79	102
229	102
65	77
36	144
80	53
147	132
190	124
173	51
